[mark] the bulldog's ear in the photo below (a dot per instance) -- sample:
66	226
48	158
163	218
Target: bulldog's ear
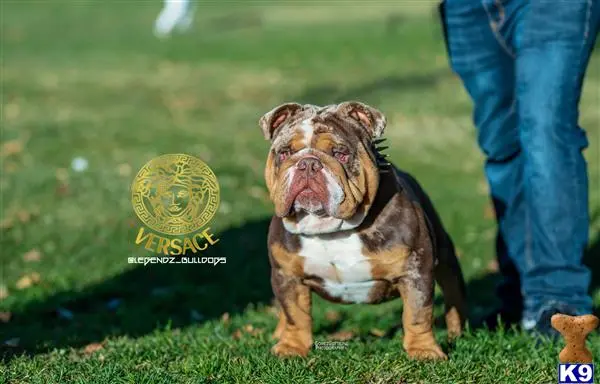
370	118
277	116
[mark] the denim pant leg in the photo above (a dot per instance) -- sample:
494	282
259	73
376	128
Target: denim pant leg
553	46
486	69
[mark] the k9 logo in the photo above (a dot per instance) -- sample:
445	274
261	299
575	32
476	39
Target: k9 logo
575	373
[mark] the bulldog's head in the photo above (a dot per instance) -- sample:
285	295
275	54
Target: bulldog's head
322	171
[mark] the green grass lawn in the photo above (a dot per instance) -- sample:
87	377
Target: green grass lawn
88	79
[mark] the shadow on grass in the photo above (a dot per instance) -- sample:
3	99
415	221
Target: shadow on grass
151	297
332	93
481	289
143	299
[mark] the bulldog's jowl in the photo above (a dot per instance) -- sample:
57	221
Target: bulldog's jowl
352	227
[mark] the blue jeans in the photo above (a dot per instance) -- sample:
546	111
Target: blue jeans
523	63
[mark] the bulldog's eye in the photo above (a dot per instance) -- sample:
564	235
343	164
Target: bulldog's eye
284	154
342	157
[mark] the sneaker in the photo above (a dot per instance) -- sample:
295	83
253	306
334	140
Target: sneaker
540	323
175	15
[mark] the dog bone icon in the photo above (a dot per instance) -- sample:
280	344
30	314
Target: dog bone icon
574	330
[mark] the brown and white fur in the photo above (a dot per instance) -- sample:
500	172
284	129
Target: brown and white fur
352	228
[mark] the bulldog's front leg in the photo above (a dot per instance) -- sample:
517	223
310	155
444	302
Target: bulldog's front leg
295	322
417	318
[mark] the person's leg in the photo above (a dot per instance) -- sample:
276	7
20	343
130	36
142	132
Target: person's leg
553	44
480	57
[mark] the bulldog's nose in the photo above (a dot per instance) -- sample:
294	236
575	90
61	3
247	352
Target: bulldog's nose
310	165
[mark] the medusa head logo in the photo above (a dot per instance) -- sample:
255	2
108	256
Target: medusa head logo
175	194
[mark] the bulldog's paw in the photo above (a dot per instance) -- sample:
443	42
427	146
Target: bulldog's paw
285	349
433	352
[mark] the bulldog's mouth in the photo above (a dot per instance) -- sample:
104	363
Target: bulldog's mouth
310	201
307	195
310	188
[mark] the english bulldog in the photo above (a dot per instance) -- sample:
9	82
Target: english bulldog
352	227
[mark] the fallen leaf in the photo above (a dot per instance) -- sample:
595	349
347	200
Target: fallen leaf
5	316
12	147
33	255
377	332
237	334
93	347
24	216
249	328
27	280
3	292
14	342
24	282
225	318
493	266
333	316
341	336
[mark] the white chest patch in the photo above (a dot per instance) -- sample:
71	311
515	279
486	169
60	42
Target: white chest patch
338	260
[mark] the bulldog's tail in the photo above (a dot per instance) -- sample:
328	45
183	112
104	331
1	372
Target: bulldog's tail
448	275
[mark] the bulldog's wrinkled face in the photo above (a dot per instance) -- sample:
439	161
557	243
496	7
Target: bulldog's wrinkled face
321	162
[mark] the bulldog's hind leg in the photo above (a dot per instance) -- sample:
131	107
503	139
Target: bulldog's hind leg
280	325
448	275
417	317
